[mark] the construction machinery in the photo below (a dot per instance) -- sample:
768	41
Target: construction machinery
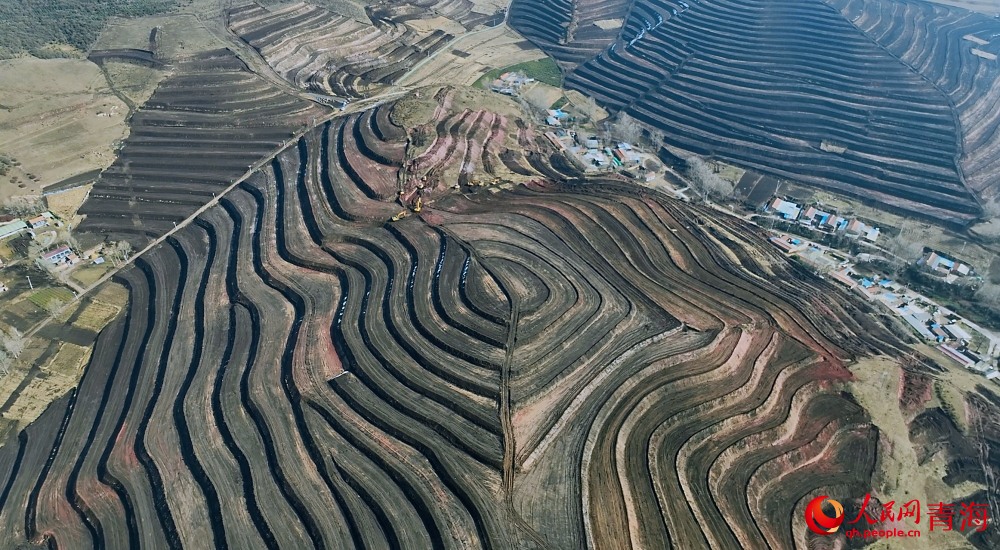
416	207
399	216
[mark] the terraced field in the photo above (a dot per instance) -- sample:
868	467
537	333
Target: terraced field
467	13
950	48
329	53
907	90
200	131
550	365
566	30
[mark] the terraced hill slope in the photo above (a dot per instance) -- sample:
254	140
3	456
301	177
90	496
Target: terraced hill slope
956	52
569	31
329	53
200	130
548	365
894	102
467	13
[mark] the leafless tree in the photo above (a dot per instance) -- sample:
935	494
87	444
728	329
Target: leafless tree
5	362
906	246
627	128
12	341
24	206
120	250
70	240
992	208
656	138
706	181
54	306
989	294
592	110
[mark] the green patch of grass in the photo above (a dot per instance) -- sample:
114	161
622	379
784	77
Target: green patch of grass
560	103
543	70
45	297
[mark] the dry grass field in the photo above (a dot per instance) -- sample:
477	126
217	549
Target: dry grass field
53	361
901	477
540	95
135	82
89	274
58	375
96	315
477	54
65	204
58	118
429	25
179	35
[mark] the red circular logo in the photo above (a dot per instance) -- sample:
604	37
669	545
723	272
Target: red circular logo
819	522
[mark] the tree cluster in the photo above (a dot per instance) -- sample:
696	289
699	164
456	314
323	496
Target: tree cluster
118	251
11	346
23	206
28	25
707	182
626	128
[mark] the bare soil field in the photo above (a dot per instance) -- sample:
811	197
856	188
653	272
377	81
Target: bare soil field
423	327
330	53
58	119
470	14
201	129
446	336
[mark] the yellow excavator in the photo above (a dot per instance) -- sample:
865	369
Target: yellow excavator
416	207
400	216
